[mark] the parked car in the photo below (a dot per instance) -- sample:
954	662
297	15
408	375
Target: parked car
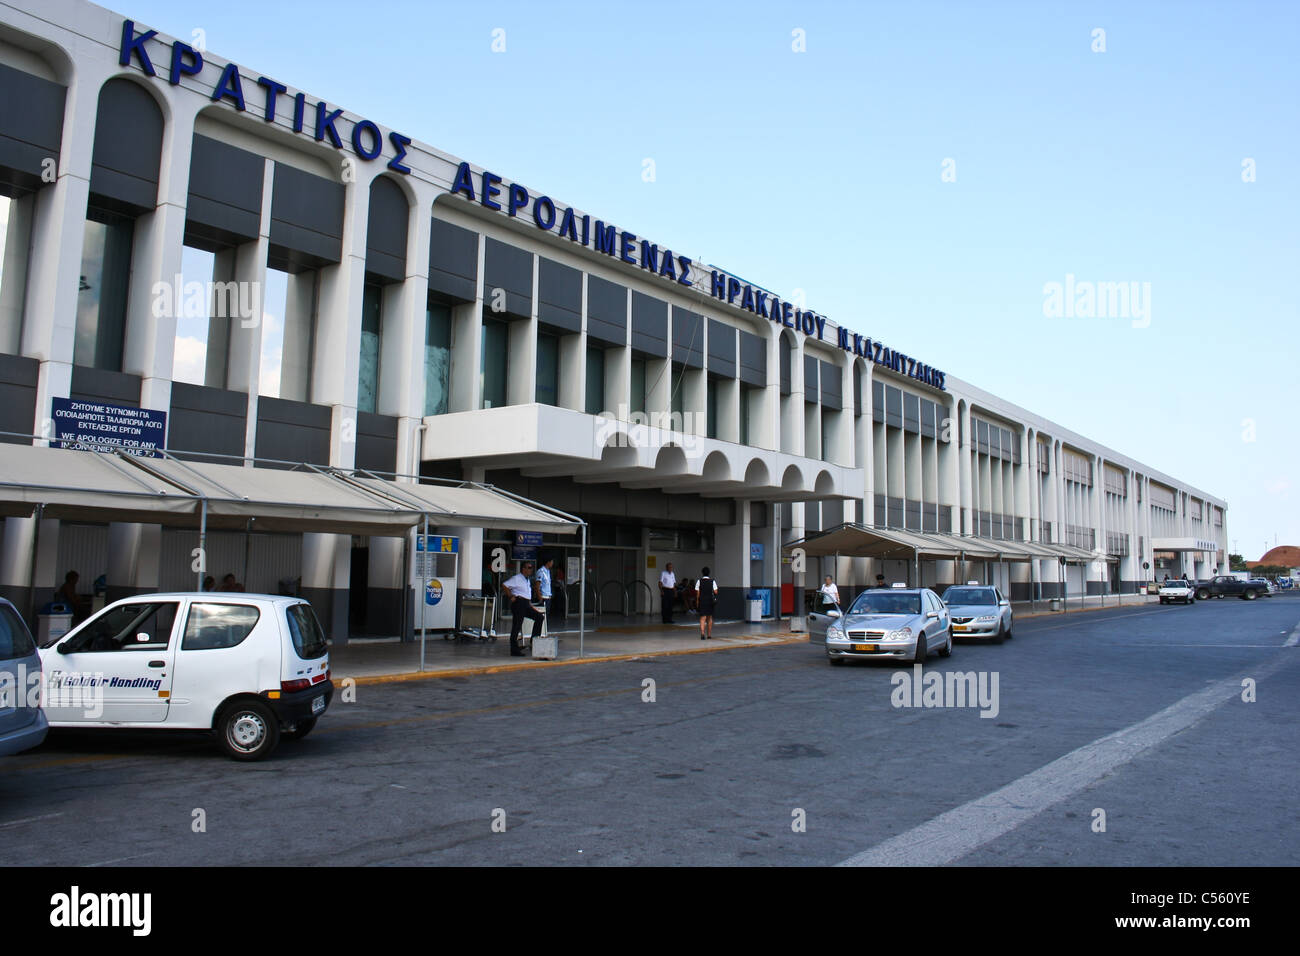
1228	586
1269	587
899	623
22	723
1178	591
978	611
250	668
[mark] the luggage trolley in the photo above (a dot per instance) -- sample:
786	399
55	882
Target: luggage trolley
484	607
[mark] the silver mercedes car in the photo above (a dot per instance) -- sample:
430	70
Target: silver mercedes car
979	611
896	623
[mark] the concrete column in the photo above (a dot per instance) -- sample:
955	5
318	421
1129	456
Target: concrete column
967	524
731	544
57	234
149	347
299	332
405	320
521	389
13	273
728	391
573	372
17	560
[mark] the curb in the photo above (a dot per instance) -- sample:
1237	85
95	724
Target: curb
405	676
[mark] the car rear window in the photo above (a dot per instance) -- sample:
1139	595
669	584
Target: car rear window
215	626
15	640
304	629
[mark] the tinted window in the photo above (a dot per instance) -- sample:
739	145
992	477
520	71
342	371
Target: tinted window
212	626
304	629
129	627
885	602
969	596
15	640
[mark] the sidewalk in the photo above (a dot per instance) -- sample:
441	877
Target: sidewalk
386	659
379	660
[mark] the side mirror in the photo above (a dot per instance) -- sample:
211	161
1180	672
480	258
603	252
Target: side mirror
833	612
65	647
1004	604
932	616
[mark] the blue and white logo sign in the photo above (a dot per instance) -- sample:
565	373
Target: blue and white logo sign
756	551
433	592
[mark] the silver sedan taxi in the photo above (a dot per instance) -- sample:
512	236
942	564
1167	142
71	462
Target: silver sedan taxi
894	623
979	610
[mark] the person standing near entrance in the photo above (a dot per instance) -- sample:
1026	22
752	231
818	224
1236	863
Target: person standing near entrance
543	584
706	594
668	591
521	607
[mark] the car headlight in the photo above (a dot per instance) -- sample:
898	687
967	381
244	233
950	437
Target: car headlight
835	632
902	634
986	619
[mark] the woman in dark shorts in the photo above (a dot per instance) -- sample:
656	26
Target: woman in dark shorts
706	593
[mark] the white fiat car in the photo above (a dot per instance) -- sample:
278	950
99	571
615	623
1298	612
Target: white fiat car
247	667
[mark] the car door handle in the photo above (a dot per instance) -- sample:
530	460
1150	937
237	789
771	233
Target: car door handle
157	663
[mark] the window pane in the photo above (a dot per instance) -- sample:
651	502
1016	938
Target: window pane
711	408
678	385
215	626
101	302
372	300
746	394
595	381
129	626
15	640
638	386
437	359
494	367
548	369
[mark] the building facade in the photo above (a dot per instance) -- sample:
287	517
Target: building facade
439	318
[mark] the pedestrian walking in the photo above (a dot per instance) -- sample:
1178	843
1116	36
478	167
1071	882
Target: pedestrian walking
668	591
521	607
706	595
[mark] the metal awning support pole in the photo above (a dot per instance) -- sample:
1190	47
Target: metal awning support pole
420	597
31	581
582	595
203	544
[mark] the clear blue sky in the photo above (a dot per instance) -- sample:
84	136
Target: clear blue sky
821	171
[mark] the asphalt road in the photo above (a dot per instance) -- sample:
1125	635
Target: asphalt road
736	749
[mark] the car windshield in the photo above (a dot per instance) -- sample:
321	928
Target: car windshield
15	640
886	602
969	596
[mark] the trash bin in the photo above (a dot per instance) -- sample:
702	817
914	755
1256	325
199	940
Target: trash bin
1055	604
765	596
52	622
754	610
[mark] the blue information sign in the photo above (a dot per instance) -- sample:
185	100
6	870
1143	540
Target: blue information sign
756	551
98	426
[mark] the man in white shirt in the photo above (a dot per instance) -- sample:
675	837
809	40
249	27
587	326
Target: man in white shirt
668	591
542	585
521	607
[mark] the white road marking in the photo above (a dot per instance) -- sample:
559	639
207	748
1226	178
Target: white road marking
962	830
18	823
121	858
1294	638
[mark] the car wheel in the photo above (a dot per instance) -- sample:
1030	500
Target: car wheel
247	730
301	729
1251	595
1001	635
947	648
836	661
921	653
1203	594
1009	634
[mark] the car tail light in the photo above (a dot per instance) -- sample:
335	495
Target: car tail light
293	686
320	677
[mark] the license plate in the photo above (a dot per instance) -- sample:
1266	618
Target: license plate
318	704
958	628
861	648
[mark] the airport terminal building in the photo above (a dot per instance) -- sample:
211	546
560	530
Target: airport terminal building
443	319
